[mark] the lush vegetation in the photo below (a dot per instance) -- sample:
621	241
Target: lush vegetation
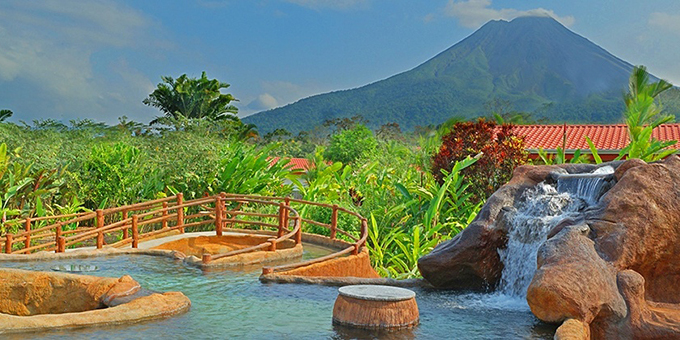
417	189
499	150
191	98
483	68
644	113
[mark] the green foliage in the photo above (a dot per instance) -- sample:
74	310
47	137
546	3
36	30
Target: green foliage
561	158
421	218
248	170
4	114
643	113
593	151
191	98
90	166
349	145
24	189
113	173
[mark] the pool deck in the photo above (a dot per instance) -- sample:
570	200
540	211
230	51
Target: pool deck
148	244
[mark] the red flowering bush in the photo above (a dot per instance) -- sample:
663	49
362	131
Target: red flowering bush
501	150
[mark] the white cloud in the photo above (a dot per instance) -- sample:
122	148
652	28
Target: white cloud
51	44
280	93
474	13
668	22
332	4
263	102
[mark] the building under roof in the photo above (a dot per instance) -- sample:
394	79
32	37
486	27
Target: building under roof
608	139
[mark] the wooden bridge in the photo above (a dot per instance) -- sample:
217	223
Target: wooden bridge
131	224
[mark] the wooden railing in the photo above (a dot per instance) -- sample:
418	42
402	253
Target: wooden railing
132	223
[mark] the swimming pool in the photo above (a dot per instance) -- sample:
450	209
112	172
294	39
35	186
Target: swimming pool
234	304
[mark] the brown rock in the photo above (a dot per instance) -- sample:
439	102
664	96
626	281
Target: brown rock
573	330
24	292
572	281
638	226
470	260
151	307
645	319
38	301
632	232
348	266
627	165
125	286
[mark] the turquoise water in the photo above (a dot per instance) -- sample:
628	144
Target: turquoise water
234	304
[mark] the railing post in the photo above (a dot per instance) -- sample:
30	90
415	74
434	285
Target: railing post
8	243
57	236
100	226
334	222
206	258
180	212
364	230
27	227
272	247
286	217
164	224
61	244
282	219
218	215
125	231
267	270
298	235
135	232
287	202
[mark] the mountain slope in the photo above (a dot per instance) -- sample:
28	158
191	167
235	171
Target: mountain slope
534	62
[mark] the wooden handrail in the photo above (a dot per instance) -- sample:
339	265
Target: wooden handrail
171	208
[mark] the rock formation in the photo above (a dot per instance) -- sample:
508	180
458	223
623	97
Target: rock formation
39	301
610	272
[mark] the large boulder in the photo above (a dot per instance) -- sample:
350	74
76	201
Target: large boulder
614	269
33	301
470	260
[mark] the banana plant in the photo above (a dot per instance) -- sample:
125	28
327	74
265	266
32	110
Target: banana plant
643	114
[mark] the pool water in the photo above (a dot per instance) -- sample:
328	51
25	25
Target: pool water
234	304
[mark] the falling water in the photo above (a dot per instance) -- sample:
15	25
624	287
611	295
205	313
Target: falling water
588	187
541	208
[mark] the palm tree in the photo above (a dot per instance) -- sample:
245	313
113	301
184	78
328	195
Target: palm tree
192	98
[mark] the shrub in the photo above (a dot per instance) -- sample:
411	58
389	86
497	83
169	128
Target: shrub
113	174
349	145
501	151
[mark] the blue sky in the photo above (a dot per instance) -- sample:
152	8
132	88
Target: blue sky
98	59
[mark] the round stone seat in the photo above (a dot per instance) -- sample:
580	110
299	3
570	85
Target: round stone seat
376	307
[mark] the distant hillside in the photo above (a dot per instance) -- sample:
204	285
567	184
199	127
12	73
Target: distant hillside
535	63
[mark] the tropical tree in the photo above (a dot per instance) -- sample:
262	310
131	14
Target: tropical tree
643	114
191	98
349	145
501	152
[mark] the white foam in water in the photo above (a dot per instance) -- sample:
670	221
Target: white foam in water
588	187
539	210
542	208
605	170
495	300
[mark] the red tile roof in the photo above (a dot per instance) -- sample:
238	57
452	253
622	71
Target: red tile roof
605	137
295	163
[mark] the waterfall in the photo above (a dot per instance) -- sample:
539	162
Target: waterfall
539	210
588	187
